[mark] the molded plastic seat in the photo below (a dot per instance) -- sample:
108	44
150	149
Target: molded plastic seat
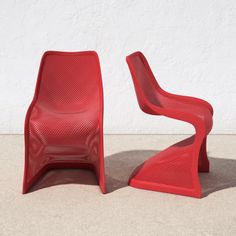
64	123
174	170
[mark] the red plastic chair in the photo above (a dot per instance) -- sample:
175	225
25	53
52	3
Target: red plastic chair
64	123
174	170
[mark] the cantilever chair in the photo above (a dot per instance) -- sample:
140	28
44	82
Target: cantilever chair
64	123
174	170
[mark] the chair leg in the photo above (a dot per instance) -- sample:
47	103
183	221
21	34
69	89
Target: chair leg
174	170
203	162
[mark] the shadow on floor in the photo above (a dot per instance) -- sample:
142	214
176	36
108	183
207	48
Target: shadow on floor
65	176
120	166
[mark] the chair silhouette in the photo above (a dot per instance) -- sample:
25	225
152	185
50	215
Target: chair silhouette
64	123
174	170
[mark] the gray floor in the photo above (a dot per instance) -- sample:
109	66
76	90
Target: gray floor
68	202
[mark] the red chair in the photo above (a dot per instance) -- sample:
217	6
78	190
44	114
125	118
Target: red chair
64	123
174	170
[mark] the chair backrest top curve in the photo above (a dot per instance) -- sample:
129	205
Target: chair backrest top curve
146	86
69	81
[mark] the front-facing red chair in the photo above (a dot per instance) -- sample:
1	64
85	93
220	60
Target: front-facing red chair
174	170
64	123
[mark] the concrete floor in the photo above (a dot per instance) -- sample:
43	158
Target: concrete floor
68	202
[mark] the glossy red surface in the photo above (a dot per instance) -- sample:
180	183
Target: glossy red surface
174	170
64	123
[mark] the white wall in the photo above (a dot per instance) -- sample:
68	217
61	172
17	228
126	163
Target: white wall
191	46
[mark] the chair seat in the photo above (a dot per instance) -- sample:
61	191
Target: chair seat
191	109
63	126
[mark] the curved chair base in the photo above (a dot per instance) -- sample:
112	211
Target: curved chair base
60	165
165	188
172	170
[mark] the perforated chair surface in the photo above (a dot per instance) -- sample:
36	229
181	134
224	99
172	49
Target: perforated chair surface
64	123
174	170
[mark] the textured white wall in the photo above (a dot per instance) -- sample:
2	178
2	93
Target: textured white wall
191	46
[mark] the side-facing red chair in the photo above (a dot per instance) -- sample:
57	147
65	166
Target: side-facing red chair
174	170
64	123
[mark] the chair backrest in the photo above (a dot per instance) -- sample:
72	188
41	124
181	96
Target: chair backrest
145	83
70	82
